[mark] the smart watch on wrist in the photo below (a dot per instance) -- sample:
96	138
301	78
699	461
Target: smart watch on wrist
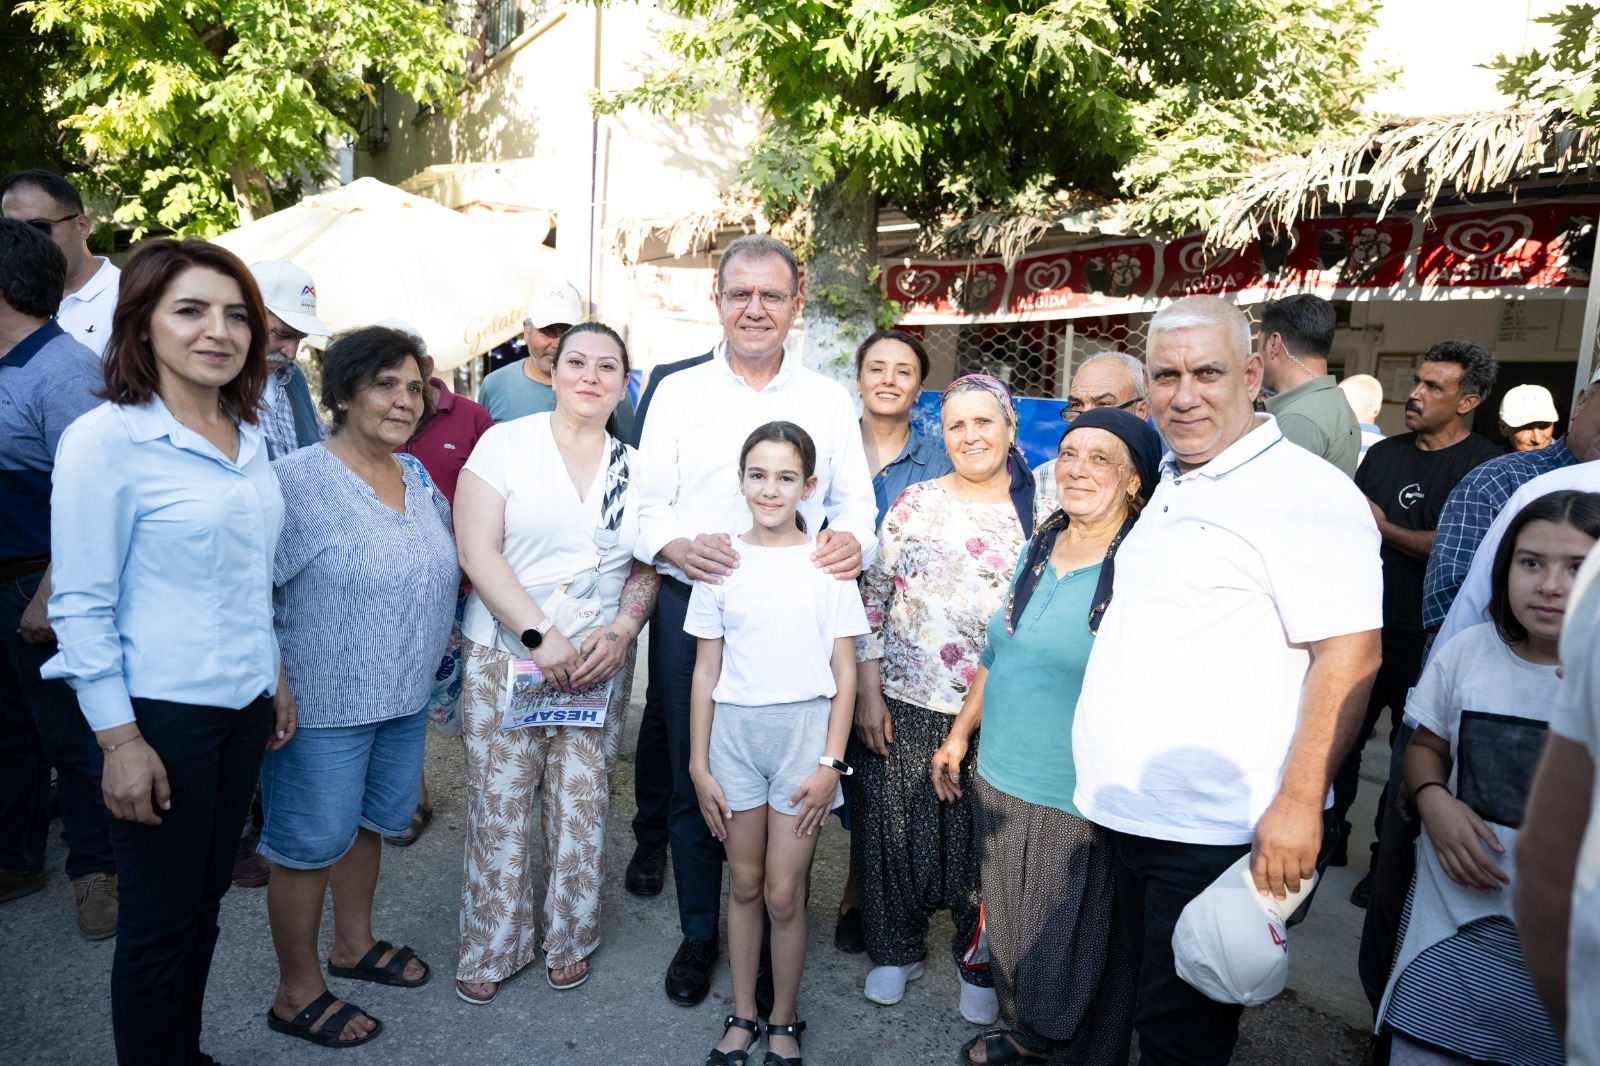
844	768
532	638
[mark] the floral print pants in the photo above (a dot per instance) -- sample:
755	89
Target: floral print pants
560	772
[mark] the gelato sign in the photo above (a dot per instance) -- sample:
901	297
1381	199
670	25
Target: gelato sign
1543	245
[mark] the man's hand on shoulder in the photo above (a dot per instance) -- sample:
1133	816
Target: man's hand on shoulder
709	557
838	553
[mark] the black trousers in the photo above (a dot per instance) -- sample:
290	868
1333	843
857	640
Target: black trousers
1391	881
1156	879
652	764
172	876
696	855
41	727
1402	665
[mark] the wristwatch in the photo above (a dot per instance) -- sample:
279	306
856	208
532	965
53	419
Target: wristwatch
532	638
844	768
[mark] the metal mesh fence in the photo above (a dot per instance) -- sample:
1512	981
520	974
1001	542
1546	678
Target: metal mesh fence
1037	359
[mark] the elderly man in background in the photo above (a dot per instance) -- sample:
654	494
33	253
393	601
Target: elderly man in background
1253	579
688	514
1296	337
291	420
1365	395
50	204
1528	418
47	379
1111	379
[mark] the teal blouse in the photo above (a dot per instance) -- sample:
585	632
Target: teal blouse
1031	693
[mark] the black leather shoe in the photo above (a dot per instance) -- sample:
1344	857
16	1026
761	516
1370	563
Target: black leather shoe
689	973
646	870
1361	895
764	993
847	934
1341	850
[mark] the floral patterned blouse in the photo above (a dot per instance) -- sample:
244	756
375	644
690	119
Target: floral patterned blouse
944	564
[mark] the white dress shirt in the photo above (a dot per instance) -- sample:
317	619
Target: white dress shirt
87	313
688	470
162	548
1471	605
1192	697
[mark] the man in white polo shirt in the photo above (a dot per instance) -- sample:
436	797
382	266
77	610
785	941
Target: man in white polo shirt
50	204
1231	669
690	509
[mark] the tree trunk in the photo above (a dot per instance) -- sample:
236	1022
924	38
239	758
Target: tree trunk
841	297
251	194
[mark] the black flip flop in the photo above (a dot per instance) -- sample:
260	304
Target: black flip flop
997	1049
328	1035
394	973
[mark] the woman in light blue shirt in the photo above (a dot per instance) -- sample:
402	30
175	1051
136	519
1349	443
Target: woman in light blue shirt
165	516
367	576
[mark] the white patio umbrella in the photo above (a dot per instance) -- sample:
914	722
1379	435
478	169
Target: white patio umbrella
376	252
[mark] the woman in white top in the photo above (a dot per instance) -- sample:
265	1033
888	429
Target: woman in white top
544	514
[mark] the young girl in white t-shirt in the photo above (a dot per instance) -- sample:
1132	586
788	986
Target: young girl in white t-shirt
1459	990
770	709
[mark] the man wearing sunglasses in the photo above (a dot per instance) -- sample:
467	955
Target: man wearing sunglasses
524	388
50	204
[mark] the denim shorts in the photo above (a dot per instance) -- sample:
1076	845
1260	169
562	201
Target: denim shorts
761	755
325	783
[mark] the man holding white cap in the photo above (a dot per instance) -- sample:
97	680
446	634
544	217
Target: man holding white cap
1528	418
290	418
524	388
1252	581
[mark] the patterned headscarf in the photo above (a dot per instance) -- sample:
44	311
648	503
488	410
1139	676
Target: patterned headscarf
1016	463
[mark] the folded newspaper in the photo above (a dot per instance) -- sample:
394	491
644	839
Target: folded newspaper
529	700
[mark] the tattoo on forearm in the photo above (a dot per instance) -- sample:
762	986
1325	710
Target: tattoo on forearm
639	593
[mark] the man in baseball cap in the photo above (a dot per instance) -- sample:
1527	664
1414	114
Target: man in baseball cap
290	419
524	388
1528	418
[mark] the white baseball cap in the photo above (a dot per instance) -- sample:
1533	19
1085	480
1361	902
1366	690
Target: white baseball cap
1527	403
1231	942
557	304
289	293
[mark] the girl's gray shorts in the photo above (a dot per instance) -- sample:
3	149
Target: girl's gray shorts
762	755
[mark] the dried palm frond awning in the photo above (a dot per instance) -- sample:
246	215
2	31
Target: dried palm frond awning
1010	235
689	231
1421	158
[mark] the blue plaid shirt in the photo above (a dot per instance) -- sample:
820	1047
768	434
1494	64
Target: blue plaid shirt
1468	513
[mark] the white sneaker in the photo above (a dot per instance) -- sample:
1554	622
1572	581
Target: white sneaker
886	985
980	1006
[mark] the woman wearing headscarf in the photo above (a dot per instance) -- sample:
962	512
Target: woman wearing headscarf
946	553
1065	988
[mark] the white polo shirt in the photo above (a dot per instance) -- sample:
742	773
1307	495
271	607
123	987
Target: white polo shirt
1192	694
87	313
688	470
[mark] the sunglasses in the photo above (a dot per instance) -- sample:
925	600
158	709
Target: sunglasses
47	226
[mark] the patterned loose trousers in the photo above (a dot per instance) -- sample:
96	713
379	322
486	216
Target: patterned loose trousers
913	853
567	771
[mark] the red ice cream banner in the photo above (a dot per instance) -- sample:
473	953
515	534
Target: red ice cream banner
1537	245
1083	277
953	290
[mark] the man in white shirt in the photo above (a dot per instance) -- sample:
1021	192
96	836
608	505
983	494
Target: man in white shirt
50	204
1558	851
689	511
1231	669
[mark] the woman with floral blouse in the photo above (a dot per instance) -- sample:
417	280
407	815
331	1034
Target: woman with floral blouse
947	550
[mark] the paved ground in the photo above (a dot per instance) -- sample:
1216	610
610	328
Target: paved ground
56	985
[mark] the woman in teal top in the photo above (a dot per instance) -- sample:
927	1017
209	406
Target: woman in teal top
1065	988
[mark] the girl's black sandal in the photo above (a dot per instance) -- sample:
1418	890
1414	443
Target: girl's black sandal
793	1029
735	1058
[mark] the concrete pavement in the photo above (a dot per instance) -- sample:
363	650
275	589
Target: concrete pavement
56	985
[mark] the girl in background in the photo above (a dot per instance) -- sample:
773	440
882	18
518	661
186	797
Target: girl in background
1459	991
770	710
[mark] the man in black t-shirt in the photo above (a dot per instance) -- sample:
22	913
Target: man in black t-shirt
1407	479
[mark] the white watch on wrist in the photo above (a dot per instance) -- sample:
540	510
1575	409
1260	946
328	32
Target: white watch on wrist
844	768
